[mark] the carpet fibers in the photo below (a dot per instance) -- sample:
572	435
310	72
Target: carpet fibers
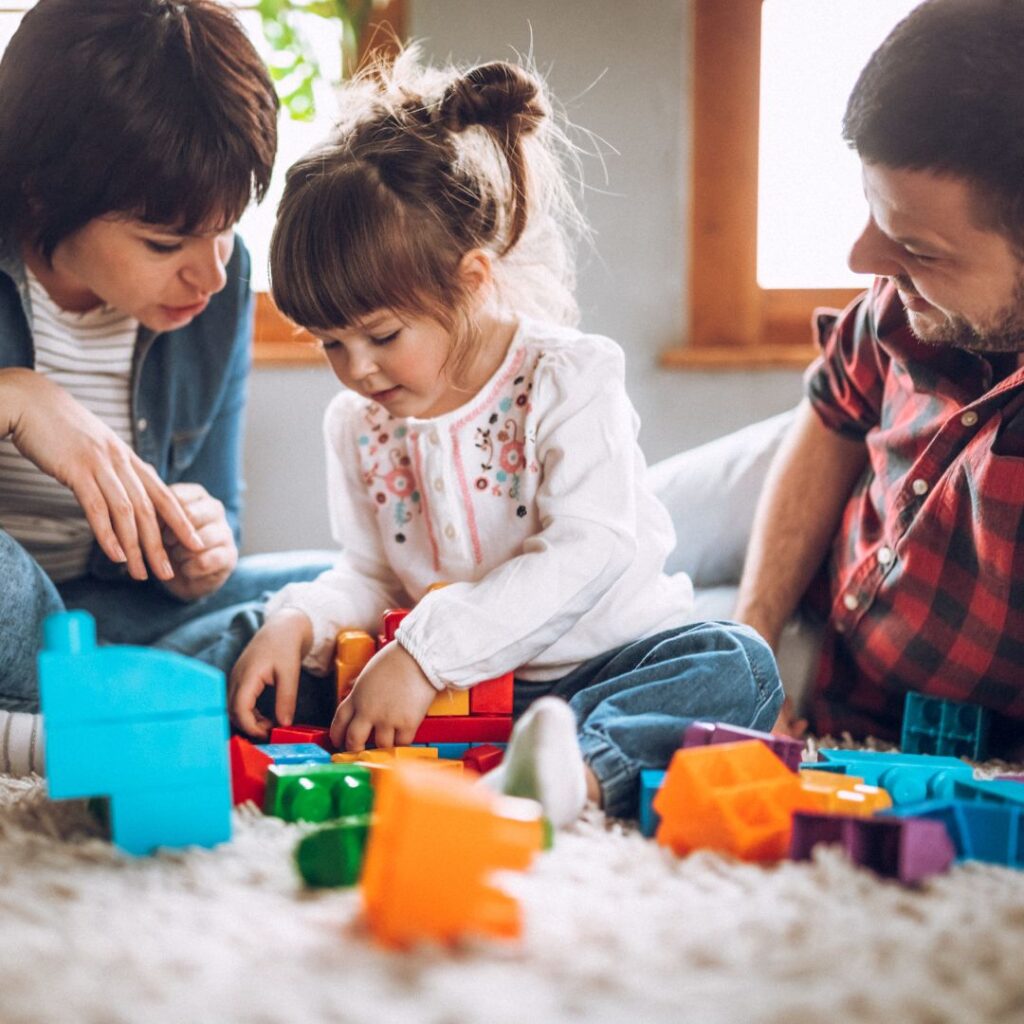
617	930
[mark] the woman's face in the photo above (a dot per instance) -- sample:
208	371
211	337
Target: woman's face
161	277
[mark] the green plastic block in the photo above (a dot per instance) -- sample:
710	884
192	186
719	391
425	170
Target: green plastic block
318	792
333	855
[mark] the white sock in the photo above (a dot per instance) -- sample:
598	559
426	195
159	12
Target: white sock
21	743
543	762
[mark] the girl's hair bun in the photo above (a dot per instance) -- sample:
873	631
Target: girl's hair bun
498	96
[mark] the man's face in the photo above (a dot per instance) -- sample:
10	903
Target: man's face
962	284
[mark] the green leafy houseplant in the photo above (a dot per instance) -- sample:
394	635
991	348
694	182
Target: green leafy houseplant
293	64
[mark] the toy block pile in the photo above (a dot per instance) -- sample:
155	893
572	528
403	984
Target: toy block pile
904	815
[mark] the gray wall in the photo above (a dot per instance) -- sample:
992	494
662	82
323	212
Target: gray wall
626	79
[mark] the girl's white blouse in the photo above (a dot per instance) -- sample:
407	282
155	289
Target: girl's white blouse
529	500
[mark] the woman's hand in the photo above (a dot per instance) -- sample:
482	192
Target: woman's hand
272	658
198	573
123	498
390	699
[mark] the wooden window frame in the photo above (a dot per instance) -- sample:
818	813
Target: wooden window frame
734	323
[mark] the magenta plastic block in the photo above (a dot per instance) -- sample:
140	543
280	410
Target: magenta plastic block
788	750
907	849
1010	778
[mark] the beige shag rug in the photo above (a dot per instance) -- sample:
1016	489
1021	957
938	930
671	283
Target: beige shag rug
617	930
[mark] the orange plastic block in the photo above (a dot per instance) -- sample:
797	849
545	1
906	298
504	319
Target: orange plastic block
353	649
492	696
738	798
835	793
450	702
436	840
248	771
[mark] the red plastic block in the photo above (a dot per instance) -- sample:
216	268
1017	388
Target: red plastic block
318	734
483	758
390	622
492	696
248	771
465	729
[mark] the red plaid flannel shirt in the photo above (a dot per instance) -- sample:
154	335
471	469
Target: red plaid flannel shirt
924	589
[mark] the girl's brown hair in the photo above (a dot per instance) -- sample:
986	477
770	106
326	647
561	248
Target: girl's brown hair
425	167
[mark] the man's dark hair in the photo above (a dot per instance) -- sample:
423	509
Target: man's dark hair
157	109
945	93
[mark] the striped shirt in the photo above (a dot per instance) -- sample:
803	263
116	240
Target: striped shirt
90	356
924	589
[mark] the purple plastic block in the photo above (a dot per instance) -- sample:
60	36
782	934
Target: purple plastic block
699	734
908	849
1010	778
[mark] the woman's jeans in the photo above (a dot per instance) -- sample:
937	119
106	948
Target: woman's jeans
126	611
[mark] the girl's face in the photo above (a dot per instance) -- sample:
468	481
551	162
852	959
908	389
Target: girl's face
397	361
162	278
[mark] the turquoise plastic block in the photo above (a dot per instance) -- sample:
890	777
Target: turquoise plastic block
650	782
935	726
993	790
908	778
148	729
451	751
295	753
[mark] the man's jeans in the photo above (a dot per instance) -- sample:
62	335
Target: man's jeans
126	612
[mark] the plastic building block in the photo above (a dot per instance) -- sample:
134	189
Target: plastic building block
788	750
333	855
650	782
483	758
317	792
161	716
908	778
435	842
390	621
318	734
449	702
248	771
993	790
909	849
449	750
979	830
352	650
465	729
1010	777
295	753
935	726
492	696
823	766
734	797
830	793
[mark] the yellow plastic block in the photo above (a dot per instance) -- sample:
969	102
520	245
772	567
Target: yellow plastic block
353	648
436	841
834	793
449	702
416	753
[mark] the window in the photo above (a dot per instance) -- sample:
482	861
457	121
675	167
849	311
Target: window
776	199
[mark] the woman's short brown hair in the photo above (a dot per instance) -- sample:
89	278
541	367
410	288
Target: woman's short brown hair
158	109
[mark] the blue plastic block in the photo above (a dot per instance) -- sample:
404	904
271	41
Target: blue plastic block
935	726
294	753
823	766
146	728
650	782
451	751
990	790
980	830
908	778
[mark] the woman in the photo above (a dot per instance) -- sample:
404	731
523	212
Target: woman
133	133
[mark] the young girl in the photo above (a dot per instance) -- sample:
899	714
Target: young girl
483	442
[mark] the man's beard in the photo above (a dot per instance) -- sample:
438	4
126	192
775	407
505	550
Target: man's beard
1005	334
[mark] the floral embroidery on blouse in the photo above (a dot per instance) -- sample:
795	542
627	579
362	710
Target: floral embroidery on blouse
504	444
387	470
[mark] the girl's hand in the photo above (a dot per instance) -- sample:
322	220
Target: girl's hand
123	498
198	573
390	699
272	658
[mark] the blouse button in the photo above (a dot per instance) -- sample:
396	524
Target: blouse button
920	486
969	418
438	484
850	601
449	532
434	439
885	556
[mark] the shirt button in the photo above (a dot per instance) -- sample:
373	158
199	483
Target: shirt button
969	418
885	556
438	484
920	486
449	532
434	439
850	601
142	423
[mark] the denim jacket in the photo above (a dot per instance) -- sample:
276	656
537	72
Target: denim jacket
188	386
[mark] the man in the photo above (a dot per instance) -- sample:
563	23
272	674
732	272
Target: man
894	507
